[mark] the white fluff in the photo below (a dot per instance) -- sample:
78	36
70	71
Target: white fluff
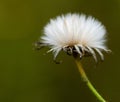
75	30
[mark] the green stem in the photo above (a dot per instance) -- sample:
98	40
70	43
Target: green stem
88	83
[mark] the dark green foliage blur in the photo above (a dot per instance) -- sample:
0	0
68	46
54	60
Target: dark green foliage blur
30	76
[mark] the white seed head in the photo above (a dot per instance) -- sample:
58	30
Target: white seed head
75	34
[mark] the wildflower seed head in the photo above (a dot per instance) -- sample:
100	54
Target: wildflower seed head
75	34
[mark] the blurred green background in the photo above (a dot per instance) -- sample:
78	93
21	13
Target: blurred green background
29	76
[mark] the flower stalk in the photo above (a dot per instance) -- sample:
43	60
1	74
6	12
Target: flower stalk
88	83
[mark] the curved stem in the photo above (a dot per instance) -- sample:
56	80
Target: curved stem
88	83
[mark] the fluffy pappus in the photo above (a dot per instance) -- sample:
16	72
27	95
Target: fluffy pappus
75	34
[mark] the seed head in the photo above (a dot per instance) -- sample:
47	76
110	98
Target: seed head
76	35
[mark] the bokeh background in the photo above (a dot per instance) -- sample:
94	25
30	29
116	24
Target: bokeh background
30	76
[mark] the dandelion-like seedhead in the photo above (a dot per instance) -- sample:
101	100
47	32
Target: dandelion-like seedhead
74	34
